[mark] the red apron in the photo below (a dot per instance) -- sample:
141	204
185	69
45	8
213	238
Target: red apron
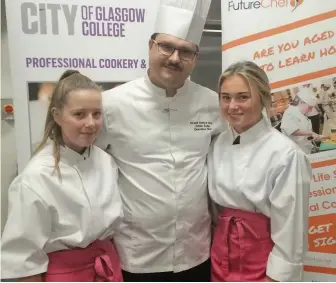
241	246
98	262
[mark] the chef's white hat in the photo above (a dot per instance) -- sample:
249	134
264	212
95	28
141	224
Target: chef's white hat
326	82
184	19
307	95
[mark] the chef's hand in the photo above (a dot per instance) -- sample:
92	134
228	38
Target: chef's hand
317	137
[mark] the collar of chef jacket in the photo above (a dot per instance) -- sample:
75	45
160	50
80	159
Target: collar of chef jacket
162	92
251	134
234	133
72	157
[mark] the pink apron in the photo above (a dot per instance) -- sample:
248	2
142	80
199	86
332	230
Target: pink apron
98	262
241	246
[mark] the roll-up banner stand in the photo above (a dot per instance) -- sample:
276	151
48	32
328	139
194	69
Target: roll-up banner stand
294	41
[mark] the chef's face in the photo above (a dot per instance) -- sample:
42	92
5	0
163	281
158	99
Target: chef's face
169	71
80	119
305	108
240	104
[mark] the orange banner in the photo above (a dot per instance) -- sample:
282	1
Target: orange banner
324	163
319	269
322	233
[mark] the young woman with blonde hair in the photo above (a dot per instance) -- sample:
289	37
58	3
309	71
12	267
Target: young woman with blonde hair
259	180
64	208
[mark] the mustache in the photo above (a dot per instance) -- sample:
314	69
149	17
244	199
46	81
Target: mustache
173	66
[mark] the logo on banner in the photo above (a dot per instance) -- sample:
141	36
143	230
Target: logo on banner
238	5
295	4
69	19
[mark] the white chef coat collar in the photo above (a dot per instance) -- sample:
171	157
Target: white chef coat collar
234	133
72	157
252	133
161	91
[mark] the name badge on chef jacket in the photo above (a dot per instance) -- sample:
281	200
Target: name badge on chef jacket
201	125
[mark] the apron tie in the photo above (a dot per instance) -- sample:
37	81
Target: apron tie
238	234
224	259
242	225
104	269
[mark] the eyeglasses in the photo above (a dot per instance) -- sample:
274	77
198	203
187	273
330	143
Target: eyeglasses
184	53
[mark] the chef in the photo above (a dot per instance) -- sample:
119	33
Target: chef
314	114
329	106
65	207
260	181
159	128
295	123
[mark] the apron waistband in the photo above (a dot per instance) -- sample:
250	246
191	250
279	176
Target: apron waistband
244	214
100	255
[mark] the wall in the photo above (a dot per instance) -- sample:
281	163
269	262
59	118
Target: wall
8	149
209	65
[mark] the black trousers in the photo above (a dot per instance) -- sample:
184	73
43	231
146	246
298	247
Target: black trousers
200	273
315	120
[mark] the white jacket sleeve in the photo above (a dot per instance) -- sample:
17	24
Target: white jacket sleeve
289	217
213	207
289	123
102	139
26	232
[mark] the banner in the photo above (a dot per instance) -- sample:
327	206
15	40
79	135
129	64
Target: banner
320	263
294	42
103	39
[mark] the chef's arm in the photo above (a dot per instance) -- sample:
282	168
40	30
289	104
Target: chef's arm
314	136
214	208
289	201
102	139
26	232
303	133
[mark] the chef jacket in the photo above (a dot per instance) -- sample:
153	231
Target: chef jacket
329	107
294	120
324	97
269	174
313	112
160	144
48	213
330	123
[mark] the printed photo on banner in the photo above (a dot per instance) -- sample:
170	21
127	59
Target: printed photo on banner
320	114
39	94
